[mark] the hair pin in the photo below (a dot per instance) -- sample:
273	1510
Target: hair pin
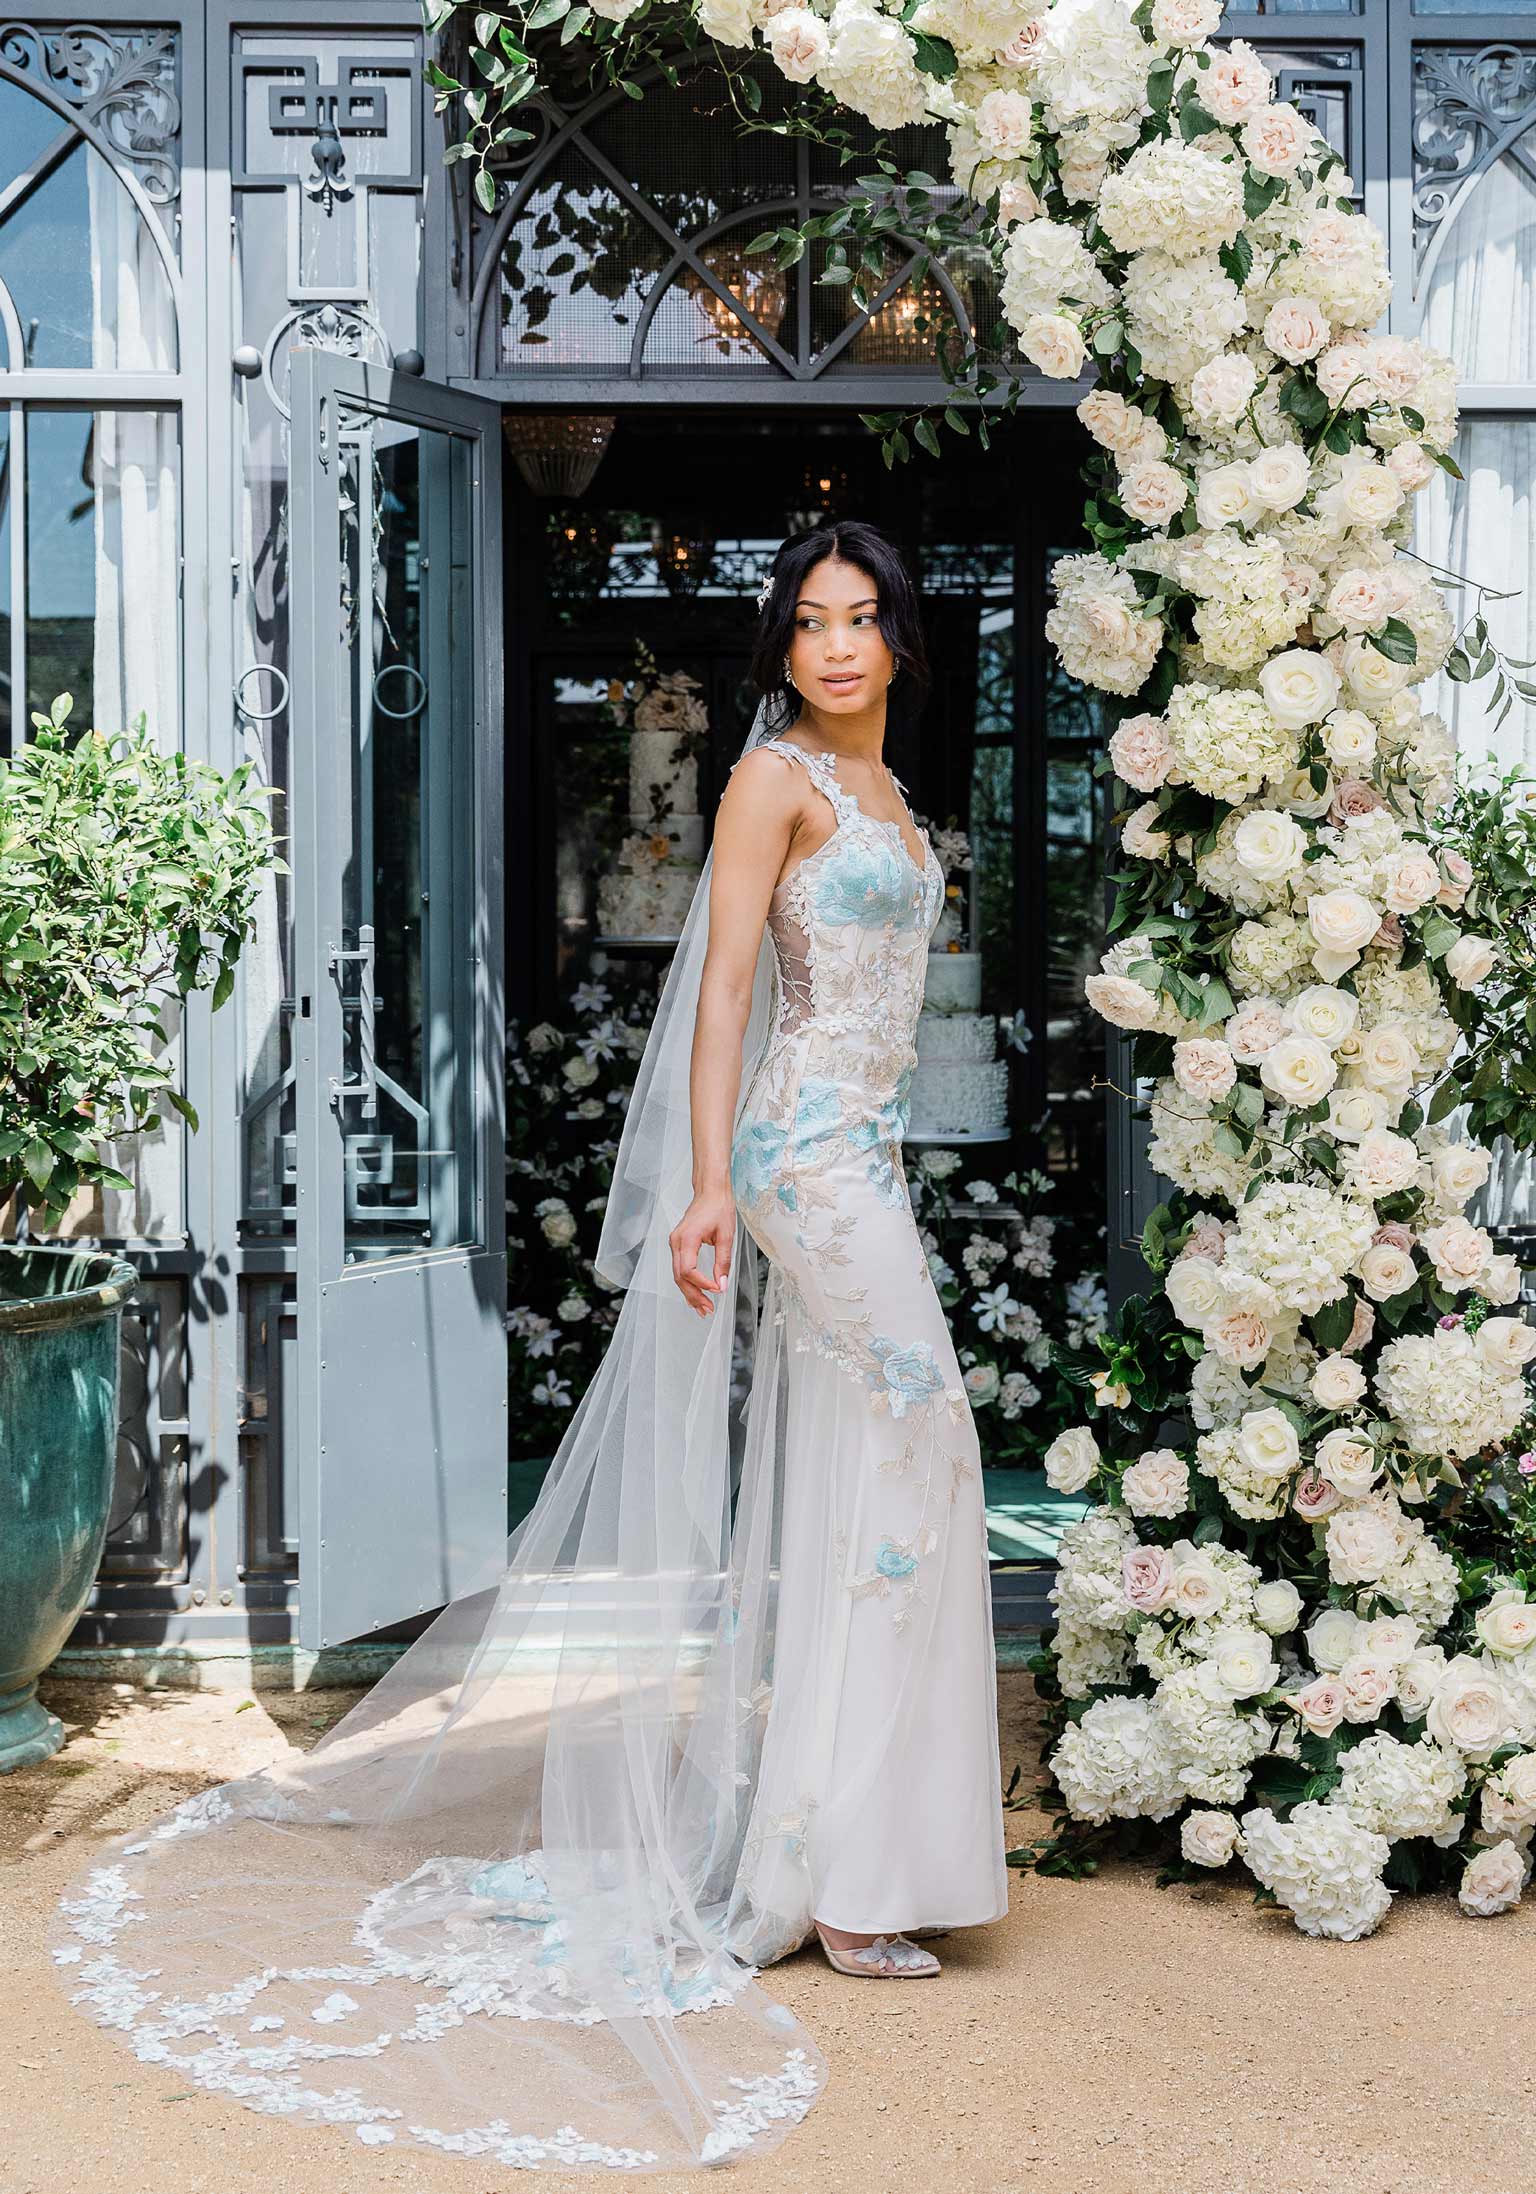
763	593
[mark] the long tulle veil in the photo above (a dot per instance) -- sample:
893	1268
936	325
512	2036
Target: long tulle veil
492	1912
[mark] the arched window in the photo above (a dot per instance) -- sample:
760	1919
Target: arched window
618	248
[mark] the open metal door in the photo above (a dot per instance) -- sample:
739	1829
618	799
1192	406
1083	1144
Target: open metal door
396	847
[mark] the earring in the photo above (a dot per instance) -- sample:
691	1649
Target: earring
892	679
789	676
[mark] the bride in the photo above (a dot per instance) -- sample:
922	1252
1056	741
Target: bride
731	1683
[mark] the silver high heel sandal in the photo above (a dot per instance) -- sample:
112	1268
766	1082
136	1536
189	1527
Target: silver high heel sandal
887	1958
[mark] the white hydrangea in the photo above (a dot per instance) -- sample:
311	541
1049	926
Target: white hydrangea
1173	196
1183	1146
1181	312
1210	1744
1117	1763
1096	626
1401	1789
1046	263
1302	1239
871	66
1444	1397
1089	65
1322	1865
1227	743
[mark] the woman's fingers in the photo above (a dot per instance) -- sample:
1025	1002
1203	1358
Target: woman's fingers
685	1241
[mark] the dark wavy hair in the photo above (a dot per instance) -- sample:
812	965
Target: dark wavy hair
874	553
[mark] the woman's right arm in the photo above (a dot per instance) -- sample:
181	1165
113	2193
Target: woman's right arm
754	824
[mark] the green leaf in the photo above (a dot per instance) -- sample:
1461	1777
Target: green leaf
1446	1098
1237	258
1333	1322
37	1159
934	57
1108	337
1396	642
485	190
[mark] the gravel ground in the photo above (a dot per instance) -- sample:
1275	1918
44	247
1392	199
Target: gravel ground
1108	2038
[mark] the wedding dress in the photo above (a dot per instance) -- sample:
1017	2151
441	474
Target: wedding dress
735	1669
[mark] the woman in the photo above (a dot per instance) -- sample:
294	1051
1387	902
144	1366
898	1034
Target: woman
732	1676
889	1742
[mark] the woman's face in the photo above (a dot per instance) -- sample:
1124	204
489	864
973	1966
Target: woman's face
838	657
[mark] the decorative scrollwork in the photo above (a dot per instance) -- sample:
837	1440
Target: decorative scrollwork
1471	108
349	328
122	83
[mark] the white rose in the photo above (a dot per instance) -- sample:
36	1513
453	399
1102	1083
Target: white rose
1349	739
1470	961
1223	497
1300	687
1383	1164
1337	1382
1140	836
1267	1443
1278	139
1413	879
1457	1170
1470	1711
1222	390
1195	1289
1361	1545
1332	1636
1188	23
1506	1345
1055	344
1296	329
1459	1252
1363	600
1494	1880
1507	1624
1299	1070
1278	478
1342	921
1268	844
1204	1067
1142	752
1256	1027
1411	466
1154	493
1418	1679
1157	1484
1387	1058
1370	1683
1072	1460
1385	1271
1324	1012
1348	1462
1003	123
1207	1838
1277	1606
1236	84
1244	1662
1353	1112
1373	677
1199	1589
797	40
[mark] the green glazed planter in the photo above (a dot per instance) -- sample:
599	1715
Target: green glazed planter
61	1315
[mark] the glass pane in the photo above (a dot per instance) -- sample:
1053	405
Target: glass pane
1074	1035
407	811
103	571
1483	527
7	699
83	269
1474	7
1293	7
1476	231
577	268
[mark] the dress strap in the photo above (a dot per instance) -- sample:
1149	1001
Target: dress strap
822	774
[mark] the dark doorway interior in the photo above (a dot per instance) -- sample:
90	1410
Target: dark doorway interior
666	550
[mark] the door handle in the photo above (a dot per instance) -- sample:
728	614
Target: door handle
367	1088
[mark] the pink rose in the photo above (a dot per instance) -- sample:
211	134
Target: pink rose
1296	329
1456	878
1146	1575
1207	1238
1313	1498
1353	796
1394	1232
1142	752
1319	1706
1362	1329
1389	935
1235	84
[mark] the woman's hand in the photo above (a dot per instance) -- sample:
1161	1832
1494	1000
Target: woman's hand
709	1218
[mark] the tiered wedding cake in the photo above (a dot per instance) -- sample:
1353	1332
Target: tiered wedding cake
959	1085
648	891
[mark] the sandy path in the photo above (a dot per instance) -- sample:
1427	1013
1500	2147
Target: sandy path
1109	2038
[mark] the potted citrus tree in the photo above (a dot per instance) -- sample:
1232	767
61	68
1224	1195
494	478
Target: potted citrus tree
127	880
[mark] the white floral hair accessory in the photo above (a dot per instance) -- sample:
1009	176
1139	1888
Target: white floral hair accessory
763	593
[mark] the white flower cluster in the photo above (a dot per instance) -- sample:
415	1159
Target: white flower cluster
1259	451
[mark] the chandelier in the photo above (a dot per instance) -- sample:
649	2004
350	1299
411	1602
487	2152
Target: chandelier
754	282
557	452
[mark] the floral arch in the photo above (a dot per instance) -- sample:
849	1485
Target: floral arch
1298	1626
